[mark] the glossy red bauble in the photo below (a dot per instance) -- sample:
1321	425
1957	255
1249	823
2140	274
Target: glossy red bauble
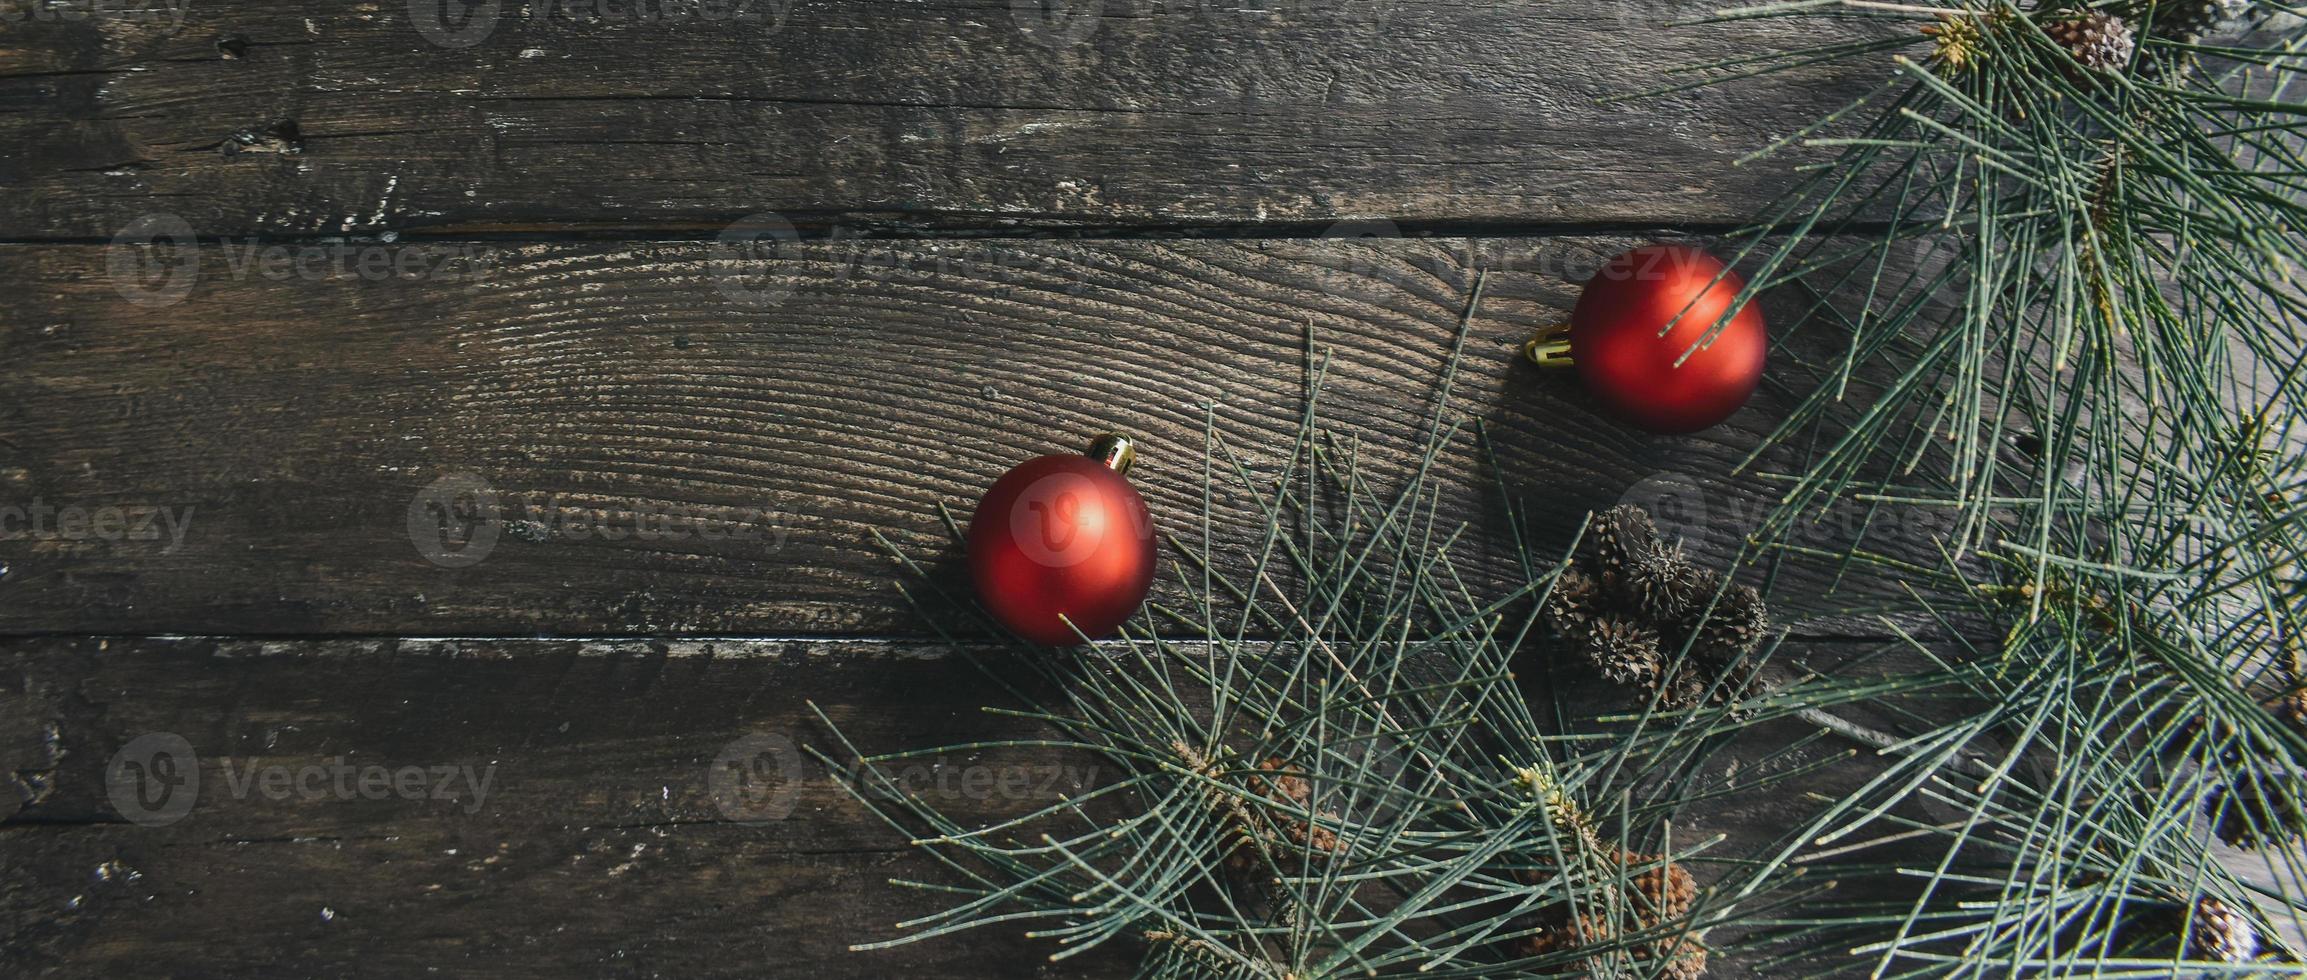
1062	536
1626	352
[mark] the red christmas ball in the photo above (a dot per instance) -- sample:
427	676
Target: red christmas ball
1063	536
1632	337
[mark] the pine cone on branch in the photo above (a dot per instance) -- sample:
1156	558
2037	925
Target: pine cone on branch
2097	40
1664	585
2188	21
1667	890
1575	604
1645	617
1625	652
1734	627
1296	818
1621	537
2216	932
1663	895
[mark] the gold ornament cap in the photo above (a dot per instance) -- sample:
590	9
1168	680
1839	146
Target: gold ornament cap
1113	449
1550	347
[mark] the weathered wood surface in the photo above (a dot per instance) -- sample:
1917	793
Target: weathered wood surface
260	454
595	846
294	117
599	846
264	446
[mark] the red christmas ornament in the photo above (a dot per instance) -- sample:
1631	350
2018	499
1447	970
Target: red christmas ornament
1064	536
1640	315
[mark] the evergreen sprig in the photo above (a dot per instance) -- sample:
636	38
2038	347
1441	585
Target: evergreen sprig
1324	765
2056	253
2054	256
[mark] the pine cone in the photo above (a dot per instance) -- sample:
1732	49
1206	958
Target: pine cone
1664	585
1666	889
2188	21
1630	602
1684	955
1692	685
1734	628
1293	789
2098	40
1663	893
2216	932
1575	604
1621	536
2253	811
1624	652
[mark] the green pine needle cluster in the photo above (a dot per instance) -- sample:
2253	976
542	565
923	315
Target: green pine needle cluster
2047	285
1326	766
2058	280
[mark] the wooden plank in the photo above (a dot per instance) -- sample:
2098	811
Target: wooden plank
249	460
601	845
284	117
598	843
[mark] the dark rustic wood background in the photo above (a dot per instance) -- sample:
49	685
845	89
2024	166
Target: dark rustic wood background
1017	224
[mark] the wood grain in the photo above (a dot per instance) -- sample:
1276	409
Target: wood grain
284	432
601	847
293	117
598	846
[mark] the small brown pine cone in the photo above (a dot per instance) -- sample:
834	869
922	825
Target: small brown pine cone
1624	652
1685	957
1574	604
1686	686
2098	40
1666	889
1734	628
1621	536
2216	932
1680	957
1286	786
2253	811
1665	586
2189	21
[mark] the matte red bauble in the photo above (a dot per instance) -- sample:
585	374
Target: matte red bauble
1063	536
1632	335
